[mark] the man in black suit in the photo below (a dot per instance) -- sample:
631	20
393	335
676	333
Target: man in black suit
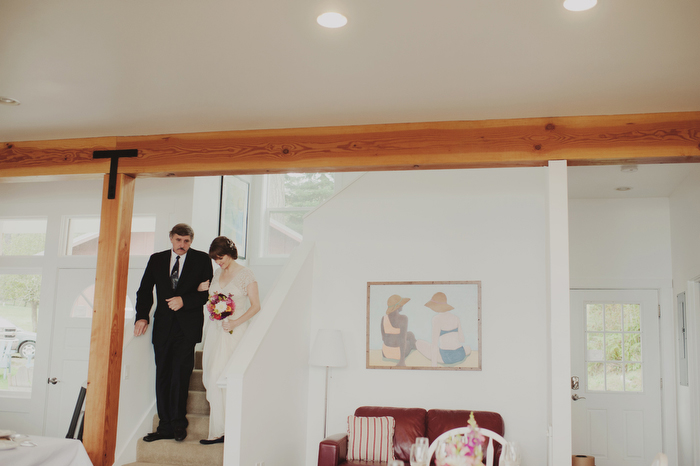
177	325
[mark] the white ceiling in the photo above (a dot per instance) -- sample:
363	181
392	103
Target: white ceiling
84	68
647	181
124	67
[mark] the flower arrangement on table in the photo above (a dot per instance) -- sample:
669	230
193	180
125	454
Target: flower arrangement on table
462	449
220	306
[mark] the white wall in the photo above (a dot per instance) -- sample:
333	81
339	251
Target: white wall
685	225
626	243
275	385
619	241
487	225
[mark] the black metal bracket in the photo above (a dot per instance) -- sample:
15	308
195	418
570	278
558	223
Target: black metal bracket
115	155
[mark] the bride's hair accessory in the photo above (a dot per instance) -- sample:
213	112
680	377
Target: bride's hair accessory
222	246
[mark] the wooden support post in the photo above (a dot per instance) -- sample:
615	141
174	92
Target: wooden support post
104	369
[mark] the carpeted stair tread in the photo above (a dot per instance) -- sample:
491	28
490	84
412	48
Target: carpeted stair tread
188	452
198	426
139	463
197	403
196	384
185	453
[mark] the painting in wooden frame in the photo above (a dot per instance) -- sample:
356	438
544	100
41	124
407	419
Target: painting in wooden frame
424	325
233	216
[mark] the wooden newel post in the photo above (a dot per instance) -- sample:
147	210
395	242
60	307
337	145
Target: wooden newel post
104	369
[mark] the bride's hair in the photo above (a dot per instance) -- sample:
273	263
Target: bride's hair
222	246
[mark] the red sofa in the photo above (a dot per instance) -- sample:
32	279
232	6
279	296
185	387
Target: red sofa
410	423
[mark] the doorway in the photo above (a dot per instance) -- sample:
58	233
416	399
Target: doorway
616	379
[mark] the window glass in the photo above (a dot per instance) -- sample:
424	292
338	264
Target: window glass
613	378
288	197
594	317
614	347
596	377
22	237
633	317
82	307
613	317
595	347
284	231
83	235
19	316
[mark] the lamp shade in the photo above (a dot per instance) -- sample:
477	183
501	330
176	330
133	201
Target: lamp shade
328	349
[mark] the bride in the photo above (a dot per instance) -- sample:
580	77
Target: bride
222	336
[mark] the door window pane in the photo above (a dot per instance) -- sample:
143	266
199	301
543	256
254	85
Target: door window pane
633	347
633	317
22	237
614	347
19	315
613	377
594	317
83	305
83	235
596	376
595	347
613	317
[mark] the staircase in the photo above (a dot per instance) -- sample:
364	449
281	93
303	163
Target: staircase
188	452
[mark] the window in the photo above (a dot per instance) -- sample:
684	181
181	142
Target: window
287	198
22	237
82	307
19	315
614	347
83	234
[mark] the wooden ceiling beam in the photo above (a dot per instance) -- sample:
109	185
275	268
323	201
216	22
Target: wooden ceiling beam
587	140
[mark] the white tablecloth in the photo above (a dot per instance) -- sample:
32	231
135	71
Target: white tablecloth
48	451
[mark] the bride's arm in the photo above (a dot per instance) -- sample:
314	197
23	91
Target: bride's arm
254	297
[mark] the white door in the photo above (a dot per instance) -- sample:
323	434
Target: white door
615	355
70	348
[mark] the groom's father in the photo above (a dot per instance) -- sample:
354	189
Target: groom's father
177	325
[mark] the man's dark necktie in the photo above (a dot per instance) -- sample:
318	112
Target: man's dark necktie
175	273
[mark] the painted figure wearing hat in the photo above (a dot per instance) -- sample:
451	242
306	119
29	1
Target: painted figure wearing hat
447	339
398	341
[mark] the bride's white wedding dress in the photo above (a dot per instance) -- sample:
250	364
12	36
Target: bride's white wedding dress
219	345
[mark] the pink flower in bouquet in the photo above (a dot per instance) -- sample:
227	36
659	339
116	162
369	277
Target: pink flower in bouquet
220	306
463	450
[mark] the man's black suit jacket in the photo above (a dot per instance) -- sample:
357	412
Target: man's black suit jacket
196	269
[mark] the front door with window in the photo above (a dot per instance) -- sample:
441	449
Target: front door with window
616	410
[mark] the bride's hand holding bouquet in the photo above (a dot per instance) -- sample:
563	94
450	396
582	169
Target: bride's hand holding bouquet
220	306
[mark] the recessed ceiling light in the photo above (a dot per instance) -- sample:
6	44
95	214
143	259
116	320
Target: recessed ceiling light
579	5
629	168
8	101
332	20
623	188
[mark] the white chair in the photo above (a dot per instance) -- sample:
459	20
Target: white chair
660	460
491	435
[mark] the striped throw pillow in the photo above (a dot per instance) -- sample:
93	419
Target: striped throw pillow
371	438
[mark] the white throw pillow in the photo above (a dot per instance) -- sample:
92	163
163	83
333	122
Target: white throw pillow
371	438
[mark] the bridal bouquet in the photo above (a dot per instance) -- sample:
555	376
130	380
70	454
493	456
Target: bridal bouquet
220	306
462	450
